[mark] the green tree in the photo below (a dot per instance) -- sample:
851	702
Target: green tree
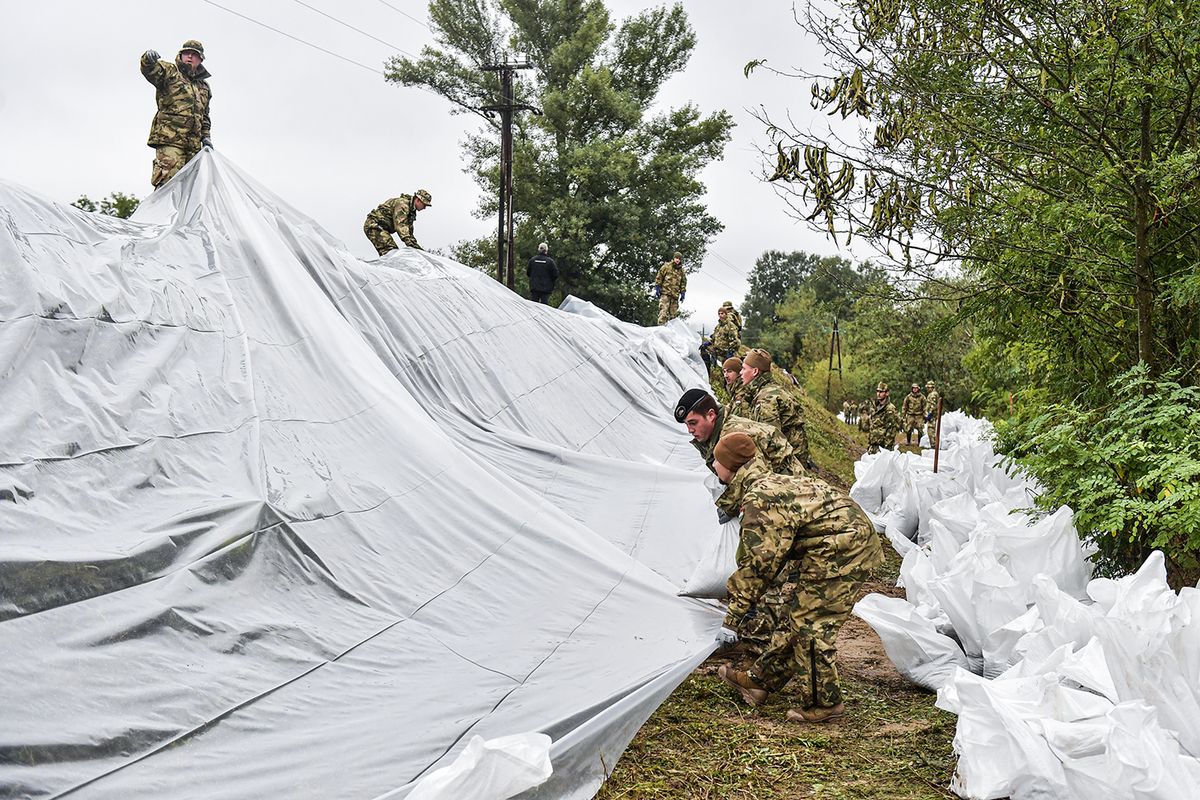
613	187
835	283
1049	149
117	204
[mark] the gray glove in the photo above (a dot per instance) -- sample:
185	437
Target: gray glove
724	518
151	54
727	636
206	142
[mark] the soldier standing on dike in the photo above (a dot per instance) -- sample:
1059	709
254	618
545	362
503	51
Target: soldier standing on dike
884	422
543	274
864	415
396	216
727	336
767	401
913	408
932	398
670	285
181	125
812	545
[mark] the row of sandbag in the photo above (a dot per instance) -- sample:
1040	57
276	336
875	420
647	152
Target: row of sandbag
1065	686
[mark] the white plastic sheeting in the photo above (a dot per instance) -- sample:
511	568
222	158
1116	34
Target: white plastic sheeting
277	522
1064	687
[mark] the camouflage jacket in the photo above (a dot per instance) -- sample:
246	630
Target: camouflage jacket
884	424
767	401
397	216
913	405
726	337
671	279
803	519
775	449
182	116
931	403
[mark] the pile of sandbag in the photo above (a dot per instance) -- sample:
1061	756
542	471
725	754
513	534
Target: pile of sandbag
1065	686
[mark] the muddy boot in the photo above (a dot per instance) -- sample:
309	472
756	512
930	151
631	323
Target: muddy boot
816	714
751	692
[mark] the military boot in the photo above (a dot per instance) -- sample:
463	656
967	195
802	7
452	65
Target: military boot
816	714
751	692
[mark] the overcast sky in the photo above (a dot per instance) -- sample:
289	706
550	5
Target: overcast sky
334	139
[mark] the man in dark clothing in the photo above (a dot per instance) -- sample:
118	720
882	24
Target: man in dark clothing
542	273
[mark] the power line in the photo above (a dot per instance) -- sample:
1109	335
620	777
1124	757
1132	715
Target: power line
405	13
351	27
294	38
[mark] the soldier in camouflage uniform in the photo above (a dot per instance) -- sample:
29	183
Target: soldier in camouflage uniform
732	370
767	401
913	409
727	336
884	422
181	126
396	216
815	546
864	415
932	398
670	286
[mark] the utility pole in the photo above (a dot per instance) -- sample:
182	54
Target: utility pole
505	270
835	343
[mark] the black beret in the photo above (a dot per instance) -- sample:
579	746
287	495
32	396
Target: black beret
688	402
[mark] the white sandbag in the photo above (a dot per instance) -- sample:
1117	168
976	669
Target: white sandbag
919	652
1050	547
712	572
959	514
875	477
495	769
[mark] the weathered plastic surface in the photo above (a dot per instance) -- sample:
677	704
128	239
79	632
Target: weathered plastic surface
275	522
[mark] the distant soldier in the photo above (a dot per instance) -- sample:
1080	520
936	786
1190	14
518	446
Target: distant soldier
543	274
884	422
913	409
181	125
396	216
670	286
814	547
864	415
732	370
767	401
846	412
932	398
727	336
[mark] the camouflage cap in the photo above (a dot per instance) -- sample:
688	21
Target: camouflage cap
929	383
194	46
916	386
734	450
678	255
733	363
424	196
727	304
758	359
882	387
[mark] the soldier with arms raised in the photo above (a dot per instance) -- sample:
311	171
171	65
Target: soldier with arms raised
181	126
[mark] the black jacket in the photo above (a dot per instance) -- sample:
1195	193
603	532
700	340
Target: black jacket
542	273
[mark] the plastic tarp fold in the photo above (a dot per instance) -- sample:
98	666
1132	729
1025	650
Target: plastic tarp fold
275	521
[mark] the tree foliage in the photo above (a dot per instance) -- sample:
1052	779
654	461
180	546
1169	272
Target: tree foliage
117	204
1049	149
1130	470
612	186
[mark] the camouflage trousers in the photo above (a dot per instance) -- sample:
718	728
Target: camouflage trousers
799	442
931	430
380	238
913	423
668	308
767	615
804	648
168	160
